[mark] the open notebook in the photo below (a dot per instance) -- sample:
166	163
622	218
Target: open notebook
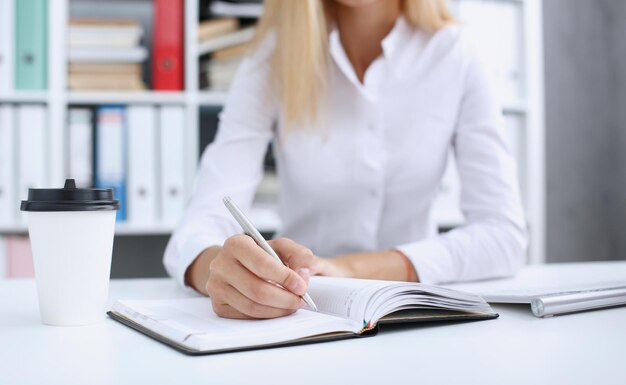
348	307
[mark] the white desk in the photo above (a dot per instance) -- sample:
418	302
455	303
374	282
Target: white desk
517	348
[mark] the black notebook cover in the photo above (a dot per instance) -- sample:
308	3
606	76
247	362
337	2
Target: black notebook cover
405	316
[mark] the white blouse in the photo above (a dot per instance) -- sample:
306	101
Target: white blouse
365	177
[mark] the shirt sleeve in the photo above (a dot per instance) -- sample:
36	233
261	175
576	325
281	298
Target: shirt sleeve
231	165
493	241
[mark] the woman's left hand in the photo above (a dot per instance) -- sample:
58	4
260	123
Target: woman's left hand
303	261
386	265
390	265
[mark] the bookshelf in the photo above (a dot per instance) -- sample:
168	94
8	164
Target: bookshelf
528	108
24	97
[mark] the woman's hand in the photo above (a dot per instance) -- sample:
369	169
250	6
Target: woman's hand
390	265
243	278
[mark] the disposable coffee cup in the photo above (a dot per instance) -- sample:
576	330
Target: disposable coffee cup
71	233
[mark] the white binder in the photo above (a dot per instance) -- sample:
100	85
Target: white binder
142	160
8	199
172	165
31	129
80	149
7	45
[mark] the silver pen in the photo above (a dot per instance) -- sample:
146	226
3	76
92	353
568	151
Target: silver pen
250	230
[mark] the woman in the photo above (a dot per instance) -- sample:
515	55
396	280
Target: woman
363	100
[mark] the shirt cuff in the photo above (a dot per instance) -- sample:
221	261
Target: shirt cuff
189	252
431	260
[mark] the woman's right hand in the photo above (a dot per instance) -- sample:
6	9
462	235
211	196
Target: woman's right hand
243	279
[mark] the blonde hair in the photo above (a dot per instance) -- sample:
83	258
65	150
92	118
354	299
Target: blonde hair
299	61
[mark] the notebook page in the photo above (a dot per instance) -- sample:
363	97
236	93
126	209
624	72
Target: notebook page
402	294
343	297
367	301
415	302
192	322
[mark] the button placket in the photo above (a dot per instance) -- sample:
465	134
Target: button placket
373	167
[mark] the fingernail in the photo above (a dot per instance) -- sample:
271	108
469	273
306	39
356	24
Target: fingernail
305	273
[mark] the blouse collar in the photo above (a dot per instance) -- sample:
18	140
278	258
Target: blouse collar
393	47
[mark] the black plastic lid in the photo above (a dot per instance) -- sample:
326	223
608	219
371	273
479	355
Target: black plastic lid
70	198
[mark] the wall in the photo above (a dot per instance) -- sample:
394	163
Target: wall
618	36
585	85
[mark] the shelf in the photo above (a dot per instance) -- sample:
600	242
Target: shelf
212	98
25	97
120	229
204	98
266	219
147	97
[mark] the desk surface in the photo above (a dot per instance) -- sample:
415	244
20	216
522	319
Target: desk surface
517	348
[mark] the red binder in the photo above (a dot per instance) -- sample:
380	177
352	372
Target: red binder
168	45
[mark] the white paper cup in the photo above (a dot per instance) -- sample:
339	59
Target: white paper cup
72	253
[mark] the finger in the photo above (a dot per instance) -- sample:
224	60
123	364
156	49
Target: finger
259	290
296	256
246	306
215	290
265	267
292	253
224	310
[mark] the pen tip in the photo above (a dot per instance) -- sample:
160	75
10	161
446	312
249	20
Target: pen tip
309	302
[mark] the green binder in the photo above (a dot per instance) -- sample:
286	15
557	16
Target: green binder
31	56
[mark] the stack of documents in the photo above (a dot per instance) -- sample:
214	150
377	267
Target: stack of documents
105	54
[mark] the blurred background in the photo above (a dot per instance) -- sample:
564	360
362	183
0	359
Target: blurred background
126	94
